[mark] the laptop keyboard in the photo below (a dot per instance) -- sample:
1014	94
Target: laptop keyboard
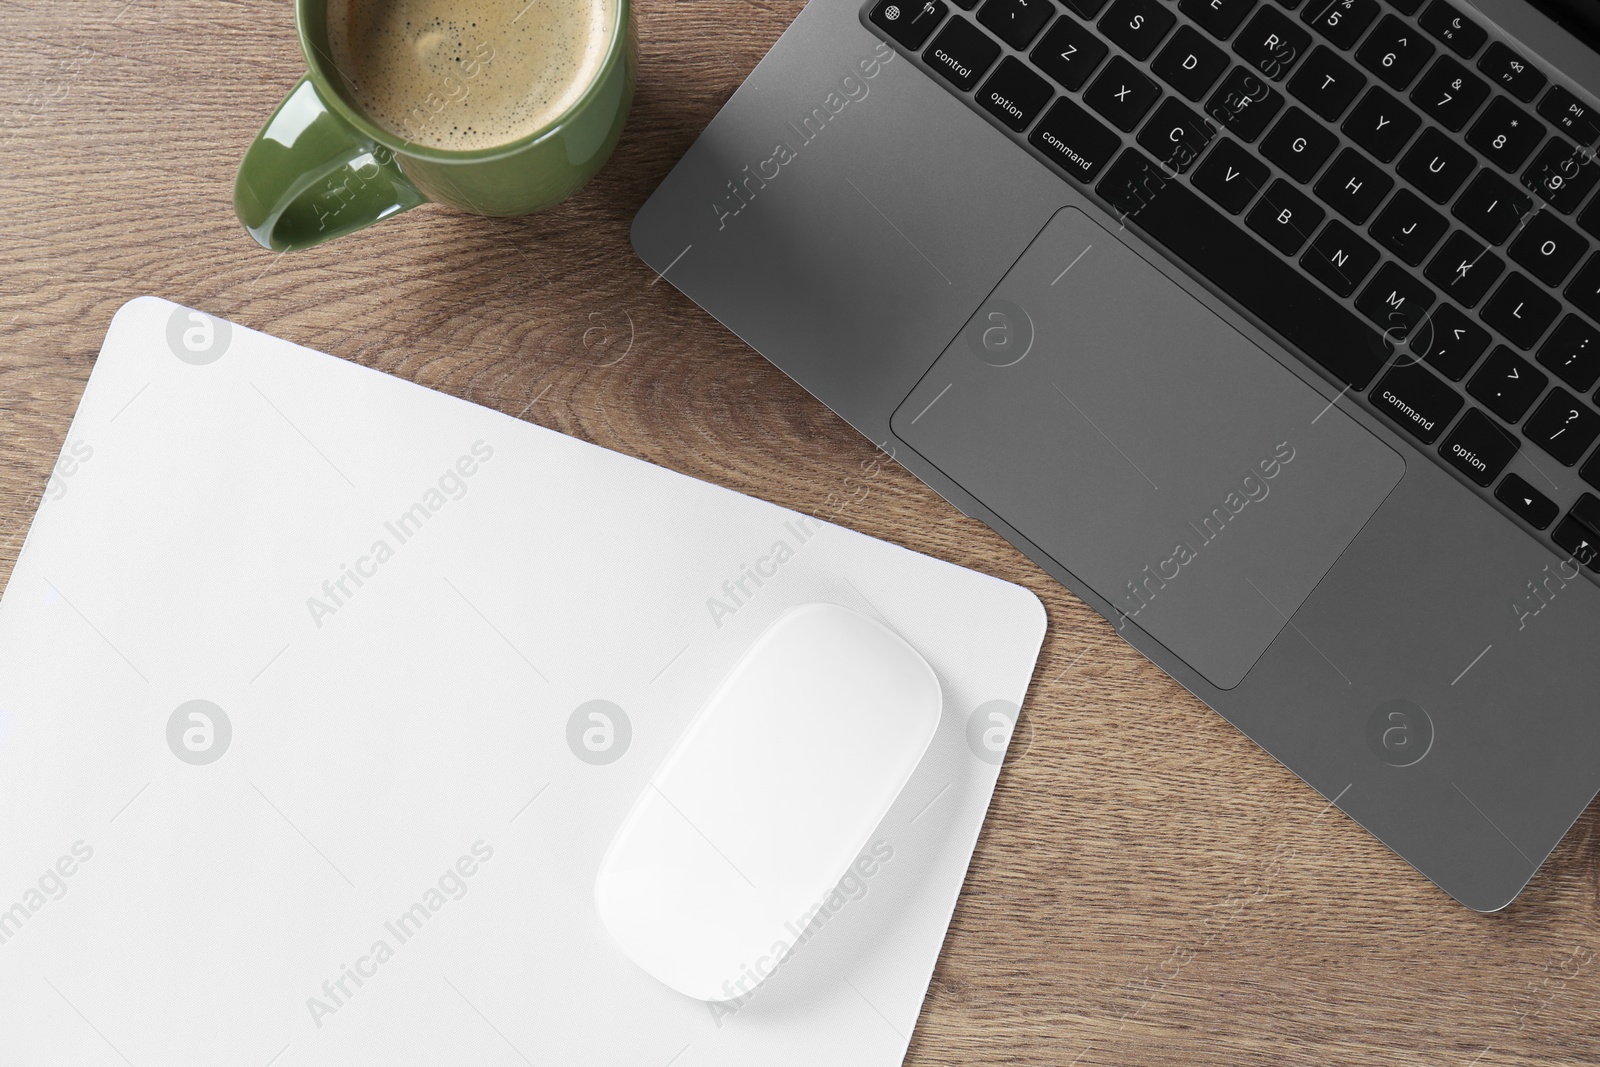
1397	195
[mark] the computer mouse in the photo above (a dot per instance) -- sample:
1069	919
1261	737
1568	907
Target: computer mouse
765	801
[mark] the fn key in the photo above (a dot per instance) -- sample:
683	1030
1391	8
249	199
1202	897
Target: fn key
909	21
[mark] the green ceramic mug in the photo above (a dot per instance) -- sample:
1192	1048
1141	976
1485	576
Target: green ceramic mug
321	168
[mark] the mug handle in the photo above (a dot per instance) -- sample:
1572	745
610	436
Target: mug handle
310	176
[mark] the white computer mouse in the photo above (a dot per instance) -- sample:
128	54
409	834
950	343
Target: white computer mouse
772	792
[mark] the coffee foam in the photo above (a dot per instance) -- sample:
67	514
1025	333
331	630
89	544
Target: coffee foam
462	80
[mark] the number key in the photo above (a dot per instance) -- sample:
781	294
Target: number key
1562	174
1563	427
1395	52
1506	134
1340	21
1450	93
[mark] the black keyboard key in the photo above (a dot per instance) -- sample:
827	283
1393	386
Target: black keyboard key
1395	301
1563	426
1285	217
909	21
1326	84
1242	267
1395	52
1190	63
1231	176
961	53
1406	7
1570	115
1354	187
1549	248
1464	269
1381	124
1585	288
1299	144
1512	73
1016	22
1339	258
1408	227
1416	400
1453	343
1219	18
1137	25
1444	21
1582	544
1521	310
1075	140
1590	471
1271	43
1087	8
1450	93
1526	502
1561	174
1478	448
1176	136
1492	207
1506	134
1244	103
1069	53
1573	353
1437	165
1507	384
1340	21
1122	94
966	5
1014	94
1590	219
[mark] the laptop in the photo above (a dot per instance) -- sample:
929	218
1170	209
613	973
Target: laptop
1269	328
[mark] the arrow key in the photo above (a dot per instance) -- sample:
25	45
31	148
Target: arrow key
1530	505
1579	541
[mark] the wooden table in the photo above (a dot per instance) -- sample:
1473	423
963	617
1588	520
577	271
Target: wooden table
1151	888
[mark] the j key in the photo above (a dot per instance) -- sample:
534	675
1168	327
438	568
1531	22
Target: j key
1299	144
1074	140
1512	73
1339	259
1354	187
1450	93
1340	21
1526	502
1381	124
1190	63
1217	17
1395	52
1176	136
1242	267
1271	43
1563	427
1244	103
1549	248
1449	25
1585	288
1014	94
1507	384
909	21
1326	84
1573	353
1562	174
1016	22
961	53
1231	176
1506	134
1137	25
1478	448
1408	227
1087	8
1122	94
1579	541
1570	115
1521	311
1437	165
1464	269
1395	301
1416	400
1454	342
1492	207
1069	53
1285	217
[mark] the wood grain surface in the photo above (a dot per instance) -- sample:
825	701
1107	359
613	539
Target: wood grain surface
1151	888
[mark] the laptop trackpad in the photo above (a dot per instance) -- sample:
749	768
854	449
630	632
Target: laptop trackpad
1148	447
